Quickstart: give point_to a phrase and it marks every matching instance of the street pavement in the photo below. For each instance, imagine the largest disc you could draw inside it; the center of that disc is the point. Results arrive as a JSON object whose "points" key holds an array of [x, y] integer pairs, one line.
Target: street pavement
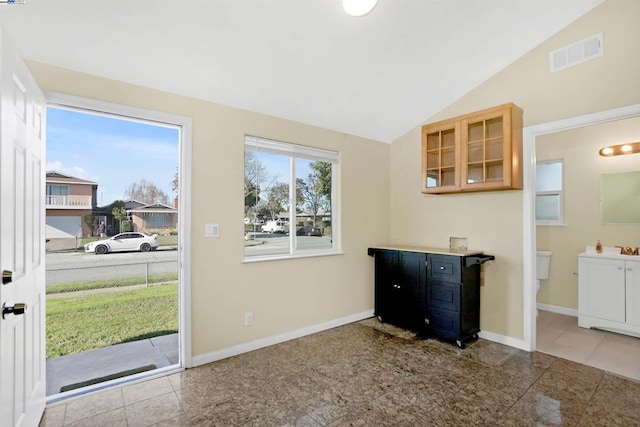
{"points": [[63, 267]]}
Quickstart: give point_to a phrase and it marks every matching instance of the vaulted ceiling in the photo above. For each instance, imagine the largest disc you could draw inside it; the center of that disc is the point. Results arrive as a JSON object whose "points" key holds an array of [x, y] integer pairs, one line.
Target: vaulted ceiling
{"points": [[375, 76]]}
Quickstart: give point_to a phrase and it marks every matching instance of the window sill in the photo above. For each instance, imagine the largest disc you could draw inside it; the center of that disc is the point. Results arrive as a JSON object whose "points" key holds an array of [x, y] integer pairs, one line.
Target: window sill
{"points": [[252, 260], [550, 224]]}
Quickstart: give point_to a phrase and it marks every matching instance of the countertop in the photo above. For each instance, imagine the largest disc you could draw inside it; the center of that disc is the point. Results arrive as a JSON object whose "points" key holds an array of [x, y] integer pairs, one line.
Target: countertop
{"points": [[430, 250], [610, 255]]}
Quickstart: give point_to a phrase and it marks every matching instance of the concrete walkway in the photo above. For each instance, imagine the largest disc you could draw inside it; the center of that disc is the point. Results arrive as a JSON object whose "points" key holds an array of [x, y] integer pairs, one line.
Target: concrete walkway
{"points": [[82, 369]]}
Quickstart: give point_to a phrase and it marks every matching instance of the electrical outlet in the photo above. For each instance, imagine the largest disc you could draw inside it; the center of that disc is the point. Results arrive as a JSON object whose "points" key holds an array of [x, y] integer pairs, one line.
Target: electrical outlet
{"points": [[248, 318]]}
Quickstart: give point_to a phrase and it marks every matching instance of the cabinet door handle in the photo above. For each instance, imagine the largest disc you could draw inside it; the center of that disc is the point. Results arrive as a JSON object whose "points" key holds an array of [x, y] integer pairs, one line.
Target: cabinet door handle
{"points": [[629, 268], [620, 268], [441, 267]]}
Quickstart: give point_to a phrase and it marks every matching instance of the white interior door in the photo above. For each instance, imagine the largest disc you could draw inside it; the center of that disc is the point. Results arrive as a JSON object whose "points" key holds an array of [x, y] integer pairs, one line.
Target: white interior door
{"points": [[22, 225]]}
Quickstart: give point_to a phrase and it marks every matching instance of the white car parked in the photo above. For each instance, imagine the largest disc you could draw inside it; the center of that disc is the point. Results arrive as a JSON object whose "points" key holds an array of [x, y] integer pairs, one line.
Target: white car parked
{"points": [[274, 227], [124, 242]]}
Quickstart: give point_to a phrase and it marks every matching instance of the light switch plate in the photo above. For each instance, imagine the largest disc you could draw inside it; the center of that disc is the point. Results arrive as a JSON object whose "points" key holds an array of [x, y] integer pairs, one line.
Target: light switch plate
{"points": [[212, 230]]}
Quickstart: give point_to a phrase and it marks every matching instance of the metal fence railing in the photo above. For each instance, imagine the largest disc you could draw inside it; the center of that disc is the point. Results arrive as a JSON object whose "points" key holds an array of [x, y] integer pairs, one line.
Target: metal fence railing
{"points": [[63, 279]]}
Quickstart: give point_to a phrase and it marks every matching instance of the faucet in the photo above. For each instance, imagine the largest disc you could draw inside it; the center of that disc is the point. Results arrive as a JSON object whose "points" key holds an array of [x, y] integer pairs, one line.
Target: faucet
{"points": [[629, 250]]}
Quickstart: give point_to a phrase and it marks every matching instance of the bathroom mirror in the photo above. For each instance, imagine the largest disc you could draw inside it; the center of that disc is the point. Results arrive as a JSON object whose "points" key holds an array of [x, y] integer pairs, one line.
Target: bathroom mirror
{"points": [[620, 198]]}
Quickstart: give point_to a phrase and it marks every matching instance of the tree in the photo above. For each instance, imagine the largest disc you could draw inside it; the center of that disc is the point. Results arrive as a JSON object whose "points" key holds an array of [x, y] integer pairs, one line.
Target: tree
{"points": [[119, 212], [314, 192], [322, 172], [146, 192], [250, 194], [257, 179], [91, 221], [175, 183], [278, 199], [312, 197]]}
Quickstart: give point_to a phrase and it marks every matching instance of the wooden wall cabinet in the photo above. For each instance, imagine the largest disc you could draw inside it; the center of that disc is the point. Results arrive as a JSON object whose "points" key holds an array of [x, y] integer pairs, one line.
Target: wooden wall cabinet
{"points": [[481, 151]]}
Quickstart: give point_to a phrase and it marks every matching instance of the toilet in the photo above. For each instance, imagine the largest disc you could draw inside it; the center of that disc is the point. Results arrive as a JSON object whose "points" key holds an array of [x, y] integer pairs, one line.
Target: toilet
{"points": [[543, 260]]}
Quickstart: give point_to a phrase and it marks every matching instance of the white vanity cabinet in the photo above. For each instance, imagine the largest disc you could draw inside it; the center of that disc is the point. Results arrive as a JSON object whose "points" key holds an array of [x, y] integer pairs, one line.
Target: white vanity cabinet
{"points": [[609, 292]]}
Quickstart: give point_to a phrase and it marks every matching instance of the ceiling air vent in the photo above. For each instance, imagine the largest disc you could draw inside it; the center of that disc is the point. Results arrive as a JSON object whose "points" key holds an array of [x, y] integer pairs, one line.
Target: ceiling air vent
{"points": [[576, 53]]}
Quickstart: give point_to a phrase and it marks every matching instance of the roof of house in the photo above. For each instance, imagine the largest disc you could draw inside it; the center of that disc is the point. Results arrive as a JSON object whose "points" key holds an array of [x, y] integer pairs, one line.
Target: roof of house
{"points": [[133, 204], [154, 208], [59, 178]]}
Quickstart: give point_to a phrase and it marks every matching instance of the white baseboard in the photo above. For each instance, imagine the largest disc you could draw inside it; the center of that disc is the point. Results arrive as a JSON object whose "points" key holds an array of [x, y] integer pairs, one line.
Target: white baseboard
{"points": [[235, 350], [503, 339], [201, 359], [557, 309]]}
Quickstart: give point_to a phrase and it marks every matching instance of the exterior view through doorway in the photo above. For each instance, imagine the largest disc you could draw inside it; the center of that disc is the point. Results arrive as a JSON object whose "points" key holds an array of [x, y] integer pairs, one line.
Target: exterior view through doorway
{"points": [[112, 248]]}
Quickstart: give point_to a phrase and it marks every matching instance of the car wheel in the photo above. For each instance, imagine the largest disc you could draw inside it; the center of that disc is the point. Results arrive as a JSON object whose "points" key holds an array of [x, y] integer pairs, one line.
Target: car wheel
{"points": [[101, 250], [145, 247]]}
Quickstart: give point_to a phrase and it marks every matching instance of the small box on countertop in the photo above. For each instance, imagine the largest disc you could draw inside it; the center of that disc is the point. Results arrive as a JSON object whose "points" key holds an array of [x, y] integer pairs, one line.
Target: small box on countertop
{"points": [[458, 243]]}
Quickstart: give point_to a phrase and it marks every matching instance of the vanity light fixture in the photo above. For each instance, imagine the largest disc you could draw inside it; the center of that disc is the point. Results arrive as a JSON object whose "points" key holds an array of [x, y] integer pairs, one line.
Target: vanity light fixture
{"points": [[616, 150], [358, 7]]}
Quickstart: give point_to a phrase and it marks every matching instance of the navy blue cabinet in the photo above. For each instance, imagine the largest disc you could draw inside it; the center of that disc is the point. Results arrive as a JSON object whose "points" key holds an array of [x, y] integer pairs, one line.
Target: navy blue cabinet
{"points": [[430, 293], [400, 298], [453, 303]]}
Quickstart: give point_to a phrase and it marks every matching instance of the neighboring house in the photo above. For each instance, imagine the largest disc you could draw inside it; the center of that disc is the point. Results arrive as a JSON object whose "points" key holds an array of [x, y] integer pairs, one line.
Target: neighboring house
{"points": [[154, 217], [68, 200], [157, 218]]}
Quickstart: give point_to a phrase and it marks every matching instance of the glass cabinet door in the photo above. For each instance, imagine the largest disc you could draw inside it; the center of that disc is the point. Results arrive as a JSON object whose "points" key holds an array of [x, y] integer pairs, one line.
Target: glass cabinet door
{"points": [[481, 151], [440, 158], [487, 155]]}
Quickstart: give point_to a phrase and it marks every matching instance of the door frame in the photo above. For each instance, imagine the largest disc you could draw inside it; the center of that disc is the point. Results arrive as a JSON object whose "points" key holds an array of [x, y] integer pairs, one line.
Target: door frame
{"points": [[57, 99], [529, 201]]}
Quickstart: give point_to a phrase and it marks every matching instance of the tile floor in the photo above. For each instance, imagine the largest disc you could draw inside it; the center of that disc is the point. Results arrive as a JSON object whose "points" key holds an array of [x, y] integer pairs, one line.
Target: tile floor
{"points": [[367, 374], [559, 335]]}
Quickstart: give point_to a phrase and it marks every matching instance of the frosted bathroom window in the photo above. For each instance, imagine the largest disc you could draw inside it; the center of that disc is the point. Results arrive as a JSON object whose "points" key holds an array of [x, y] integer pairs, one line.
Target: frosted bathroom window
{"points": [[549, 195]]}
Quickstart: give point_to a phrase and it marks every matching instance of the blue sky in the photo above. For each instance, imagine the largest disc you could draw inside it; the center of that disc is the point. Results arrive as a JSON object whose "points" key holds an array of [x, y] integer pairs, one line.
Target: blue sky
{"points": [[112, 152], [278, 166]]}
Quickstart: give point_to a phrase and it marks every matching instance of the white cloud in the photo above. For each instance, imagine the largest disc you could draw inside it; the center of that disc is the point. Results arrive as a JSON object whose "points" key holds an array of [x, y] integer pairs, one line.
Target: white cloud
{"points": [[75, 171]]}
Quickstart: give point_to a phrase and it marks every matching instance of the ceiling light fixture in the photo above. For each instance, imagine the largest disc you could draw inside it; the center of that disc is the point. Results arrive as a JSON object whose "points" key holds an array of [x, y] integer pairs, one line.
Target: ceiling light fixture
{"points": [[358, 7], [616, 150]]}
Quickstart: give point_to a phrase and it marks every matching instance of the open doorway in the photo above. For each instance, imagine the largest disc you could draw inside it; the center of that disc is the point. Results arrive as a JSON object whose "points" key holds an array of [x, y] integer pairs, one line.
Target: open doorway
{"points": [[531, 134], [587, 219], [113, 222]]}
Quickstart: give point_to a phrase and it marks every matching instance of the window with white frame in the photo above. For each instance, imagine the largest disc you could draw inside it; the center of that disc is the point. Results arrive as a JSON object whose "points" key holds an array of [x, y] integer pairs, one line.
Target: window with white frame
{"points": [[290, 203], [549, 195]]}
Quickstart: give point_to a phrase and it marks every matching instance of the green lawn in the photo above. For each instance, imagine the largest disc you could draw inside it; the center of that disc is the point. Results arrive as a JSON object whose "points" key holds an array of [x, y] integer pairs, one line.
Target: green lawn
{"points": [[86, 322]]}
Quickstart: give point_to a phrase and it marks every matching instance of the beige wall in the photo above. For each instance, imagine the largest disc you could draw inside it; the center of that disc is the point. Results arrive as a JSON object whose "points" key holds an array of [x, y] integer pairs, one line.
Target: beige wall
{"points": [[493, 221], [79, 190], [583, 168], [287, 295], [283, 295]]}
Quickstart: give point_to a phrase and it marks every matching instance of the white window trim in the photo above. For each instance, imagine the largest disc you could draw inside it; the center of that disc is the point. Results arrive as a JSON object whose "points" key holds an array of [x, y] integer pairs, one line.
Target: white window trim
{"points": [[126, 112], [309, 153], [529, 135]]}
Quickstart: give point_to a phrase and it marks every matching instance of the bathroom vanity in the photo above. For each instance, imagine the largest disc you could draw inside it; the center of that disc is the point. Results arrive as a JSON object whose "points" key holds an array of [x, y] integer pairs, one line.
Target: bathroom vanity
{"points": [[429, 290], [609, 291]]}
